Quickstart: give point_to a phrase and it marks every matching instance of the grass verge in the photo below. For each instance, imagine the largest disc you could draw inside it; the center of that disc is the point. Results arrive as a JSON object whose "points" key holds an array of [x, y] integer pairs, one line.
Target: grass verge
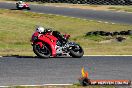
{"points": [[16, 28], [121, 8]]}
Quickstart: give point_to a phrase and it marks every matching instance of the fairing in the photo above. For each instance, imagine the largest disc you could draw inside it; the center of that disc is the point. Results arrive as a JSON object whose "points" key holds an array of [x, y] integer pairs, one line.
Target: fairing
{"points": [[48, 39]]}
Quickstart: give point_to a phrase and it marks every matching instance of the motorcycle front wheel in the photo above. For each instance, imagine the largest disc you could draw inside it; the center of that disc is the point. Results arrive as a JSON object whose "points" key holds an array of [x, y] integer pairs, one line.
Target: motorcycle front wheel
{"points": [[28, 8], [76, 51], [43, 52], [19, 8]]}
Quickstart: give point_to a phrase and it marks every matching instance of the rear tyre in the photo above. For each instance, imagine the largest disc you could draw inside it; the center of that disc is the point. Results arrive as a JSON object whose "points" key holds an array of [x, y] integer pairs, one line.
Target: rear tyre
{"points": [[43, 52], [76, 52]]}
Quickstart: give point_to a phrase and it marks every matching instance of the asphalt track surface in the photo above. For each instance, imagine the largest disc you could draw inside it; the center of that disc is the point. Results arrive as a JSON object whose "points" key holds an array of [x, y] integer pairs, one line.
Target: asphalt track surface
{"points": [[62, 70], [109, 16]]}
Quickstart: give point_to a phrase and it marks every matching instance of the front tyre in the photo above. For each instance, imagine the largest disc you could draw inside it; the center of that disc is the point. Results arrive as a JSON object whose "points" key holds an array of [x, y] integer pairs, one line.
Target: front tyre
{"points": [[76, 51], [43, 52], [19, 8], [28, 8]]}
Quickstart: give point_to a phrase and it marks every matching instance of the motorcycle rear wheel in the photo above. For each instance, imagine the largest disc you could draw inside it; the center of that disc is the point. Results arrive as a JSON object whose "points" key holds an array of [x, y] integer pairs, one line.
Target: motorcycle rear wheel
{"points": [[43, 52], [76, 53]]}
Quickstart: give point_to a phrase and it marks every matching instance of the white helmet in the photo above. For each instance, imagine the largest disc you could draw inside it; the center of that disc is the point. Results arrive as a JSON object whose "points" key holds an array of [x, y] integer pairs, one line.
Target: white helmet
{"points": [[40, 29], [20, 2]]}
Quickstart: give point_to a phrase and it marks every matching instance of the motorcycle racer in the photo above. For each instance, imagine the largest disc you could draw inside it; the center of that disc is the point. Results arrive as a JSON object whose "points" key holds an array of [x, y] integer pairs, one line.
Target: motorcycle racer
{"points": [[20, 2], [46, 43], [62, 38], [22, 5]]}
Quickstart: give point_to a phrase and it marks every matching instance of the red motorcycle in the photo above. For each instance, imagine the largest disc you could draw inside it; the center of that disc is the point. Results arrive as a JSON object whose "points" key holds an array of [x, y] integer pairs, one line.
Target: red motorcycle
{"points": [[21, 6], [47, 45]]}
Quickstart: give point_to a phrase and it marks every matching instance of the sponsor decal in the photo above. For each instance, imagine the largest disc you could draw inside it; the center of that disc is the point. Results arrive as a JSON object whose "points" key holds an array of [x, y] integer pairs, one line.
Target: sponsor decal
{"points": [[85, 81]]}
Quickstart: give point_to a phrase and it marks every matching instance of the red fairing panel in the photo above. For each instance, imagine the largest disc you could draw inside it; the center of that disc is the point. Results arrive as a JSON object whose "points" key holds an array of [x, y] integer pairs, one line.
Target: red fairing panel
{"points": [[51, 40], [25, 5]]}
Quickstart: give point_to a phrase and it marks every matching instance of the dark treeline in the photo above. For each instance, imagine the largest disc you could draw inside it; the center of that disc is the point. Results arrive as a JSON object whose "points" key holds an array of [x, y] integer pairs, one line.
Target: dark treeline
{"points": [[94, 2]]}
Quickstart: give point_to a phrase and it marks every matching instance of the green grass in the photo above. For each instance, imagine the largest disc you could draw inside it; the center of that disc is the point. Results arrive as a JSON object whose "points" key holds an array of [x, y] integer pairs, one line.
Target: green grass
{"points": [[121, 8], [16, 28]]}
